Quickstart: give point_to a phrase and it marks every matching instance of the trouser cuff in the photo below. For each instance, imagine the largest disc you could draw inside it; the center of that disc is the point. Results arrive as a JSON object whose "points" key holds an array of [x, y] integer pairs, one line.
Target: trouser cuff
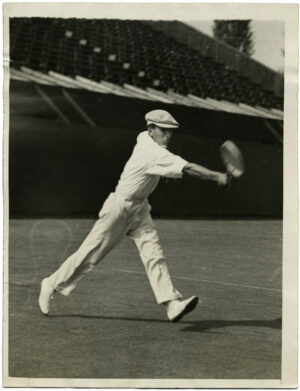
{"points": [[169, 298]]}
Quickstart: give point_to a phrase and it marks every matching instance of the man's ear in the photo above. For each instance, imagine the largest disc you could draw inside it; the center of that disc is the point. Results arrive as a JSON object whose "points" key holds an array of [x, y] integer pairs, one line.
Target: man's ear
{"points": [[150, 130]]}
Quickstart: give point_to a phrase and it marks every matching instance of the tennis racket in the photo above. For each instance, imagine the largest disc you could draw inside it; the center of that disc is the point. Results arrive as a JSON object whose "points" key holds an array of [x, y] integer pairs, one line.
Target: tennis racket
{"points": [[232, 159]]}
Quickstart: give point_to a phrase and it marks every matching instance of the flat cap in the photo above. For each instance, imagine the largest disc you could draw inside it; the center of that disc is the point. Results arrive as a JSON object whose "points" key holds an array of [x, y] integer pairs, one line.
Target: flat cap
{"points": [[161, 118]]}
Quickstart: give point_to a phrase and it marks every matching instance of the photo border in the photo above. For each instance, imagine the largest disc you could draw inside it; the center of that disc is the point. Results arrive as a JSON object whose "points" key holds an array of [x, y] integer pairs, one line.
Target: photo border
{"points": [[184, 11]]}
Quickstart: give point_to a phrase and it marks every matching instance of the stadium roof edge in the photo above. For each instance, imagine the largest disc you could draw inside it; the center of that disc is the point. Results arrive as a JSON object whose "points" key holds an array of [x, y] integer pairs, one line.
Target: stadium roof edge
{"points": [[58, 80]]}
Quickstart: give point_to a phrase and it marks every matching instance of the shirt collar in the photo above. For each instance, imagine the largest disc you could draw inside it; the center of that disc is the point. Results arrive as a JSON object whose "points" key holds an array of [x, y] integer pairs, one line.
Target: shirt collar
{"points": [[145, 137]]}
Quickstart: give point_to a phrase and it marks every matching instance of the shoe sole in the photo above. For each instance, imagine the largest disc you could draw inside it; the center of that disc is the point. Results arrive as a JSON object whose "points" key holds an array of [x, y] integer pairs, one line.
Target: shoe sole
{"points": [[190, 306], [45, 314]]}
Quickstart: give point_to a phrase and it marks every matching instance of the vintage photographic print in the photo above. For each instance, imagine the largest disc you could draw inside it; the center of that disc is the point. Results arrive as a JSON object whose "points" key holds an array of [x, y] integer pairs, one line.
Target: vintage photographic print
{"points": [[150, 191]]}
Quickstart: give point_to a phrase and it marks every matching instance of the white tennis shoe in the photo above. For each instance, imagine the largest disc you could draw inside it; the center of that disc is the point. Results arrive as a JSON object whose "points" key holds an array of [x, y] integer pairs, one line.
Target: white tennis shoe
{"points": [[46, 295], [176, 309]]}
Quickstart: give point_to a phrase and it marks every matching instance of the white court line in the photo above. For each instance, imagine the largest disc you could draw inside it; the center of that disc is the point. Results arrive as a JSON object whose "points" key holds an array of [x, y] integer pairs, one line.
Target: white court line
{"points": [[207, 281]]}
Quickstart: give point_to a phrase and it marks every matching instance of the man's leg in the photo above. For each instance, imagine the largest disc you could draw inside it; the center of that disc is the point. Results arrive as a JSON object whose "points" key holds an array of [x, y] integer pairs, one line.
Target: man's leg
{"points": [[106, 233], [146, 239], [147, 242], [95, 247]]}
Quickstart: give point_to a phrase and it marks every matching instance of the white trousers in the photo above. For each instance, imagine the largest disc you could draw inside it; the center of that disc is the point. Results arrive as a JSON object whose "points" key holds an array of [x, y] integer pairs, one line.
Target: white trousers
{"points": [[119, 217]]}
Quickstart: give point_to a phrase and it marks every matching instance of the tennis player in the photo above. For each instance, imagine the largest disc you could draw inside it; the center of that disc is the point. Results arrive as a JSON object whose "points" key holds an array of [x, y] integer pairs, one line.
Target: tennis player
{"points": [[126, 212]]}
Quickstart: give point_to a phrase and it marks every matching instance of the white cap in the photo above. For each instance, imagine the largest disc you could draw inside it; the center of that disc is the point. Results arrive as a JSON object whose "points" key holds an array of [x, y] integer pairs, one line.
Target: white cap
{"points": [[161, 118]]}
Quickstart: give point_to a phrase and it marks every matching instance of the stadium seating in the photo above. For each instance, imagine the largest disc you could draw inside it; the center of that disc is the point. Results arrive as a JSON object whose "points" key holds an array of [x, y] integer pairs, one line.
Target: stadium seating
{"points": [[132, 52]]}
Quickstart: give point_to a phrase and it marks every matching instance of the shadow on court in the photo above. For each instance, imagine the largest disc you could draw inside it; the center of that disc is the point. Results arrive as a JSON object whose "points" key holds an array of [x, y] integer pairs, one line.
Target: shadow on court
{"points": [[195, 326]]}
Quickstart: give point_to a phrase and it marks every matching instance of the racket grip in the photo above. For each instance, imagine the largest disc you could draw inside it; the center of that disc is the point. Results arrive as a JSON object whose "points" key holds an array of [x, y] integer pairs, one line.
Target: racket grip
{"points": [[229, 178]]}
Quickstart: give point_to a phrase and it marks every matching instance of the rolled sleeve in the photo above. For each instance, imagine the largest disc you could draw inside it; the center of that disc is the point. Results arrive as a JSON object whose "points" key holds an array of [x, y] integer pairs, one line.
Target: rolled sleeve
{"points": [[167, 165]]}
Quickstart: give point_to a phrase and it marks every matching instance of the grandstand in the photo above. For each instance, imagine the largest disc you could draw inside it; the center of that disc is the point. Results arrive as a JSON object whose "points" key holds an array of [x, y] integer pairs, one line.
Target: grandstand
{"points": [[133, 58], [69, 76]]}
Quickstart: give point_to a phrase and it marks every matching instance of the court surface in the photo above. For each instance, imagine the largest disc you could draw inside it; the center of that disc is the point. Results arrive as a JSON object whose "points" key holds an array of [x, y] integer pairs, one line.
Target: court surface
{"points": [[111, 327]]}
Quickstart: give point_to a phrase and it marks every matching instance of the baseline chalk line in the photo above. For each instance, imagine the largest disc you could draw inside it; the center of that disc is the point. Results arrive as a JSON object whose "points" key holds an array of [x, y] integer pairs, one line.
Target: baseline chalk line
{"points": [[206, 281]]}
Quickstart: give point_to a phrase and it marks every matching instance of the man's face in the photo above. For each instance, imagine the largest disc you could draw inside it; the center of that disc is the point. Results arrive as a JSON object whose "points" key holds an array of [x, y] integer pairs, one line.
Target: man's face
{"points": [[161, 136]]}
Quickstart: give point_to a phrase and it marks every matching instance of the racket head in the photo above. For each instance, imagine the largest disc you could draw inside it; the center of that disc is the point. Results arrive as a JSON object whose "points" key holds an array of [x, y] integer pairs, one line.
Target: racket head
{"points": [[232, 159]]}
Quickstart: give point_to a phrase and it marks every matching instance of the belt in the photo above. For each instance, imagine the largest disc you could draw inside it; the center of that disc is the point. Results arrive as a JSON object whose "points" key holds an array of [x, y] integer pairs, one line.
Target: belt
{"points": [[131, 198]]}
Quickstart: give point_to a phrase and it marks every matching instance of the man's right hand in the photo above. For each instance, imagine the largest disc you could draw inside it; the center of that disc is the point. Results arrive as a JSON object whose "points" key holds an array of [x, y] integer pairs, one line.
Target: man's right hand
{"points": [[224, 179]]}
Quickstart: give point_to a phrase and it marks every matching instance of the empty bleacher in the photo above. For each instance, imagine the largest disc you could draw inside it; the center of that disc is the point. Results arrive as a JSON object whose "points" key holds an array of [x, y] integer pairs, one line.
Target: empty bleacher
{"points": [[130, 52]]}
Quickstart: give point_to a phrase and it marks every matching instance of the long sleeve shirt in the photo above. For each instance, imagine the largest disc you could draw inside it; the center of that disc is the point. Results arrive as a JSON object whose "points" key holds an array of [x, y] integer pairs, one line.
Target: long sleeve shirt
{"points": [[148, 162]]}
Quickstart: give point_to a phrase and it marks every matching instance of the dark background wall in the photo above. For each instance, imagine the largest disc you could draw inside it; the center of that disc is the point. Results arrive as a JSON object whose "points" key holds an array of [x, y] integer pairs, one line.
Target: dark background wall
{"points": [[58, 168]]}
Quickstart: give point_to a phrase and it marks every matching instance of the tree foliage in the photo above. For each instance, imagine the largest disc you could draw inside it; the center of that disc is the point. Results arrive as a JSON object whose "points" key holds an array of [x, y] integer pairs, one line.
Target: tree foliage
{"points": [[236, 33]]}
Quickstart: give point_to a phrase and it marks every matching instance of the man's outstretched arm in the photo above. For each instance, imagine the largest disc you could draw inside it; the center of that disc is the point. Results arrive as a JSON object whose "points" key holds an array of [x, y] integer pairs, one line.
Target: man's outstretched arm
{"points": [[201, 172]]}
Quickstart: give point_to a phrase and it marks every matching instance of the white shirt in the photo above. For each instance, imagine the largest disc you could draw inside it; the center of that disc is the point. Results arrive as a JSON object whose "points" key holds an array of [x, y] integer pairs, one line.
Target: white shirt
{"points": [[148, 162]]}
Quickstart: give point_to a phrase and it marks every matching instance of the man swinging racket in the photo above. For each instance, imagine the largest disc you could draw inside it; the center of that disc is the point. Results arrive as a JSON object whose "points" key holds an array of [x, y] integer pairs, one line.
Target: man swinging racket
{"points": [[127, 212]]}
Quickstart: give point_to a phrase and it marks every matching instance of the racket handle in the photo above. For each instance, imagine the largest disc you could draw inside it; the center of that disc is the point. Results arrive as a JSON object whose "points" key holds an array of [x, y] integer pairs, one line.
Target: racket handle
{"points": [[229, 178]]}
